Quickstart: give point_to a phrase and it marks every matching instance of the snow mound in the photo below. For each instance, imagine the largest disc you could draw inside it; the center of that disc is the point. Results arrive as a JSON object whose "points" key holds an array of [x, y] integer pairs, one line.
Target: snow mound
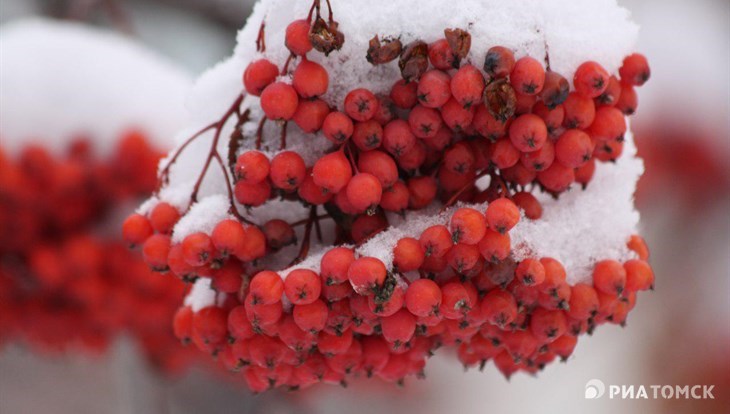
{"points": [[63, 79]]}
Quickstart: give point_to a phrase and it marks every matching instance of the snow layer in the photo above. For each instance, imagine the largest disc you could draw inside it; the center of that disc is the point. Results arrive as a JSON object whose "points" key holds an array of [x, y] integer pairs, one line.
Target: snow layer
{"points": [[61, 79]]}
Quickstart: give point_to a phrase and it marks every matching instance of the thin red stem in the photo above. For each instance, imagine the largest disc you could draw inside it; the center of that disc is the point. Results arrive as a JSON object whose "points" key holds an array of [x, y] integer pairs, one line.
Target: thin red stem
{"points": [[282, 137], [260, 132], [304, 249], [260, 40]]}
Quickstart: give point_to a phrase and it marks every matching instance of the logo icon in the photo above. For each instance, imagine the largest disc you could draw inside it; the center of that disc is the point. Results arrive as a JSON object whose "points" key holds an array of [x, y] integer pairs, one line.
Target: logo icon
{"points": [[595, 389]]}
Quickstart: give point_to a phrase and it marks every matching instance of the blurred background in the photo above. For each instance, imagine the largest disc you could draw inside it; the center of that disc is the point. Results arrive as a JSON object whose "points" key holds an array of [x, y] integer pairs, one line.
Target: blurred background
{"points": [[677, 334]]}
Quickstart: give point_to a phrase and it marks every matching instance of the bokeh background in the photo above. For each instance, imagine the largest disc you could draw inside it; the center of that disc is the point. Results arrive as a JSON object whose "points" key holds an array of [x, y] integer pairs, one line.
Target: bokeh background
{"points": [[678, 334]]}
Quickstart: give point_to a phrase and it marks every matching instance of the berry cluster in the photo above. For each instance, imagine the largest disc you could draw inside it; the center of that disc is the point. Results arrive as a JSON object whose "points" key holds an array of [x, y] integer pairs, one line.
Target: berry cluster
{"points": [[426, 143], [62, 286]]}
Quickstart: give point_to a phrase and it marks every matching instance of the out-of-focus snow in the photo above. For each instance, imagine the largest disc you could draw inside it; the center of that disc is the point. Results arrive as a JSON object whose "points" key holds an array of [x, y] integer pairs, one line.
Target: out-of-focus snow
{"points": [[63, 79]]}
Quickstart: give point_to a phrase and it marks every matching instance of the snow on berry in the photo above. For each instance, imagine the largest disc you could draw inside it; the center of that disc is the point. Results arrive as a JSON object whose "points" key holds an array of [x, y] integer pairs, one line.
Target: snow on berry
{"points": [[429, 168]]}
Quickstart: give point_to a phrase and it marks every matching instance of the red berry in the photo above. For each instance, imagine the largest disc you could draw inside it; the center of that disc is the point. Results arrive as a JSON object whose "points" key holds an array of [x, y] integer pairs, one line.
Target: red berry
{"points": [[541, 159], [361, 104], [468, 226], [337, 127], [136, 229], [459, 158], [574, 148], [287, 170], [504, 154], [555, 91], [311, 317], [366, 226], [312, 193], [436, 241], [637, 245], [403, 94], [310, 79], [502, 215], [379, 164], [424, 122], [408, 255], [495, 246], [610, 96], [583, 302], [335, 263], [310, 115], [609, 276], [527, 76], [302, 286], [366, 274], [297, 37], [590, 79], [487, 125], [252, 194], [434, 89], [399, 327], [228, 237], [608, 124], [197, 249], [548, 325], [499, 62], [163, 217], [422, 191], [423, 297], [528, 133], [579, 111], [258, 75], [278, 234], [398, 138], [182, 324], [266, 287], [639, 275], [628, 100], [441, 55], [530, 272], [456, 117], [368, 135], [557, 178], [364, 191], [635, 70], [395, 198], [279, 101], [553, 117], [211, 324], [499, 308], [529, 204], [584, 173], [252, 167], [332, 172], [464, 258], [467, 86], [254, 245]]}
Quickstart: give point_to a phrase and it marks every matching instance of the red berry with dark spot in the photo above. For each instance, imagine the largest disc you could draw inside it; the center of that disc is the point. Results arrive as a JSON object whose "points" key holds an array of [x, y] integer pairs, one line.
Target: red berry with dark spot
{"points": [[297, 37], [361, 105], [310, 79], [527, 76], [590, 79], [279, 101], [635, 70]]}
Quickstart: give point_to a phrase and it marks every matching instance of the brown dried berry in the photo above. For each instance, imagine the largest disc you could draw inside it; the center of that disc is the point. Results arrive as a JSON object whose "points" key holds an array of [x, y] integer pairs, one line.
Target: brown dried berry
{"points": [[500, 99], [388, 50], [460, 42], [325, 37], [414, 60]]}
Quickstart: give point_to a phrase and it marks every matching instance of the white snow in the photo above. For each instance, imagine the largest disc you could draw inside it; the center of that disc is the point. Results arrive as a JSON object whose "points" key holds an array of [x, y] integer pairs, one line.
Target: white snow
{"points": [[60, 79]]}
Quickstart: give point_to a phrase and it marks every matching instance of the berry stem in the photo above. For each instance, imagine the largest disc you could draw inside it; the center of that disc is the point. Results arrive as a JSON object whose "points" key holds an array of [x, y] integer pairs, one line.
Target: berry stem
{"points": [[304, 249], [282, 137], [260, 39], [260, 132]]}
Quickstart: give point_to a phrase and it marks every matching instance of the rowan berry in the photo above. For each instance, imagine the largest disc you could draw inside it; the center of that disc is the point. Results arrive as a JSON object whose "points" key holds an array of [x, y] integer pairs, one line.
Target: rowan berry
{"points": [[529, 204], [608, 150], [337, 127], [609, 276], [553, 117], [608, 124], [367, 135], [287, 170], [628, 100], [499, 308], [211, 324], [155, 251], [557, 178], [495, 246], [528, 133], [584, 173], [182, 324], [411, 160], [403, 94], [227, 237], [464, 258], [279, 101], [455, 300], [527, 76], [573, 148], [386, 306], [334, 265], [252, 167], [638, 245], [441, 55], [398, 138], [136, 229], [635, 70], [278, 234], [311, 317], [579, 111], [590, 79], [163, 217], [254, 245], [583, 302], [423, 297], [252, 194], [504, 154], [436, 241], [539, 160], [530, 272], [395, 198], [554, 274], [487, 125], [611, 95], [456, 117], [434, 89], [258, 75], [302, 286], [364, 191], [228, 278], [548, 325], [468, 226], [502, 215], [408, 255], [332, 172], [360, 104], [499, 62], [422, 191], [639, 275], [263, 317], [266, 287], [296, 38], [467, 86], [310, 115], [310, 79], [366, 226], [555, 91], [424, 122], [366, 274]]}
